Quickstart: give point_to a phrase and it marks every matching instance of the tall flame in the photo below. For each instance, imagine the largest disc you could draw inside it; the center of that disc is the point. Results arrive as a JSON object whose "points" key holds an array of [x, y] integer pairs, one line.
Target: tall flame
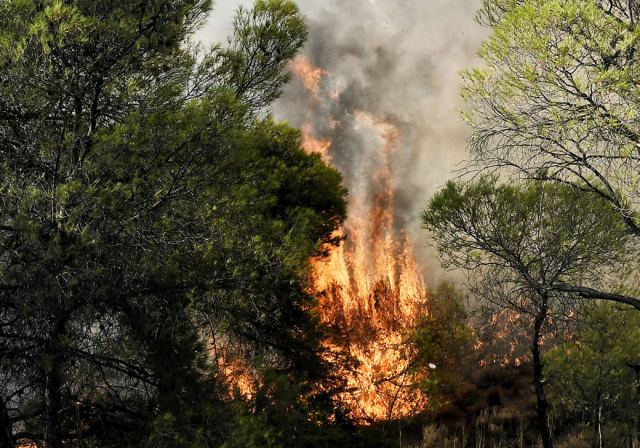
{"points": [[370, 288]]}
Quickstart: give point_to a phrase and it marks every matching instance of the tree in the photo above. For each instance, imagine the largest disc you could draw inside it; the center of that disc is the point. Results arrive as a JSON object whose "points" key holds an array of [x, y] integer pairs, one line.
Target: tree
{"points": [[147, 204], [442, 342], [558, 102], [524, 243], [589, 374]]}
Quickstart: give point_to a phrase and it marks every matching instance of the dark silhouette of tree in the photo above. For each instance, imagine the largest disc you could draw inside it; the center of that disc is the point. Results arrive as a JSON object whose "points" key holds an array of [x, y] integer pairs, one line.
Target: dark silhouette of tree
{"points": [[148, 204]]}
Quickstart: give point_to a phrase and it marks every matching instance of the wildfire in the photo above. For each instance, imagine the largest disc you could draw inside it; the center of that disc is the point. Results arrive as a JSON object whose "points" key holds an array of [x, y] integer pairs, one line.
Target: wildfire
{"points": [[370, 288], [313, 145], [310, 76]]}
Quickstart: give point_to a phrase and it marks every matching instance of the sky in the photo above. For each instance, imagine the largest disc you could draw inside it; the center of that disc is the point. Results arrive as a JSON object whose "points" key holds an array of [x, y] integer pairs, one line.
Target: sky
{"points": [[399, 60], [220, 23]]}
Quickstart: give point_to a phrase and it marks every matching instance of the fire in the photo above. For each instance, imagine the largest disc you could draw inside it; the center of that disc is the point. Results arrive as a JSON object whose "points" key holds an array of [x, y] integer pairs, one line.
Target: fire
{"points": [[313, 145], [370, 288], [311, 76]]}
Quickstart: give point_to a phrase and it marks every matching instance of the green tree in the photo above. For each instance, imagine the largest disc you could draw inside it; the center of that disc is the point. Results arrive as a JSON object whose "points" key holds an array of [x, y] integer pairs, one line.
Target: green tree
{"points": [[558, 102], [555, 106], [589, 374], [148, 204], [523, 243], [442, 342]]}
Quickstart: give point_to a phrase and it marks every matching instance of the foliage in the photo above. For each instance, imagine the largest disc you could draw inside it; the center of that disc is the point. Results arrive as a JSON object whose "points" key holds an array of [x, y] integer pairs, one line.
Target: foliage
{"points": [[277, 416], [149, 205], [533, 236], [443, 341], [526, 243], [557, 100], [554, 113], [589, 375]]}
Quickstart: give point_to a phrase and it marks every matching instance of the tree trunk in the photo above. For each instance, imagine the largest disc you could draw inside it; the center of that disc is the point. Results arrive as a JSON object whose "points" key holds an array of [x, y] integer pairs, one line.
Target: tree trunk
{"points": [[538, 377], [635, 366], [597, 422], [600, 445], [638, 400], [53, 437], [53, 385], [6, 433]]}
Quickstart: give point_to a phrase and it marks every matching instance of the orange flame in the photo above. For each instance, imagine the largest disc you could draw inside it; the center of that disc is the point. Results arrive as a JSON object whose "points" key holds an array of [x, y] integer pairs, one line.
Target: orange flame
{"points": [[310, 76], [313, 145], [370, 288]]}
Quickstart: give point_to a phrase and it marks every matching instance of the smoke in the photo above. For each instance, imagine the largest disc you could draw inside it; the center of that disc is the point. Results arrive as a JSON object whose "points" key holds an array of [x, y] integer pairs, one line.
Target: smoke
{"points": [[398, 61]]}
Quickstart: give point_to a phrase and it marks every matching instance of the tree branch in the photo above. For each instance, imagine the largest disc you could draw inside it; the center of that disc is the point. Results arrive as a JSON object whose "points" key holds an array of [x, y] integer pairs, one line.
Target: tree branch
{"points": [[590, 293]]}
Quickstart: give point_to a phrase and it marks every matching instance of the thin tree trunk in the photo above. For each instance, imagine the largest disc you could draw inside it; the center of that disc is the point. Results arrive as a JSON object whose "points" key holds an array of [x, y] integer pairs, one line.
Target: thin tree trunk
{"points": [[638, 400], [600, 445], [54, 384], [6, 433], [597, 422], [53, 438], [538, 377], [635, 366]]}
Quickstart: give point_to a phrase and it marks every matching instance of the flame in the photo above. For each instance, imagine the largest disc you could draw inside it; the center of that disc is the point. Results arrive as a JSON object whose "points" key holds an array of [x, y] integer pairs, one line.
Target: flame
{"points": [[313, 145], [370, 288], [310, 76], [230, 360]]}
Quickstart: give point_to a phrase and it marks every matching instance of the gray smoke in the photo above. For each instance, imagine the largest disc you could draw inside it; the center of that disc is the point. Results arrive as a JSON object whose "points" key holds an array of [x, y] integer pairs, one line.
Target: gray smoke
{"points": [[398, 60]]}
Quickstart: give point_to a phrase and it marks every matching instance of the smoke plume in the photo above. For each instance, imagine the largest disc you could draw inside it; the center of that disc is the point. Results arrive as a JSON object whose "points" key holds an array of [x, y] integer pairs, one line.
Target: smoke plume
{"points": [[398, 61]]}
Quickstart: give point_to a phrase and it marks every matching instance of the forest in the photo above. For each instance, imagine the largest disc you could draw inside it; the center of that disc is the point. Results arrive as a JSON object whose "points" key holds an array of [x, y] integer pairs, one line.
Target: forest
{"points": [[182, 268]]}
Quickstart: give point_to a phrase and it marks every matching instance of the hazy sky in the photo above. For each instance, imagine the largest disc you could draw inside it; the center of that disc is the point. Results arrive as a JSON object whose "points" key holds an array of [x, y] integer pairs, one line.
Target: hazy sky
{"points": [[399, 60], [219, 25]]}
